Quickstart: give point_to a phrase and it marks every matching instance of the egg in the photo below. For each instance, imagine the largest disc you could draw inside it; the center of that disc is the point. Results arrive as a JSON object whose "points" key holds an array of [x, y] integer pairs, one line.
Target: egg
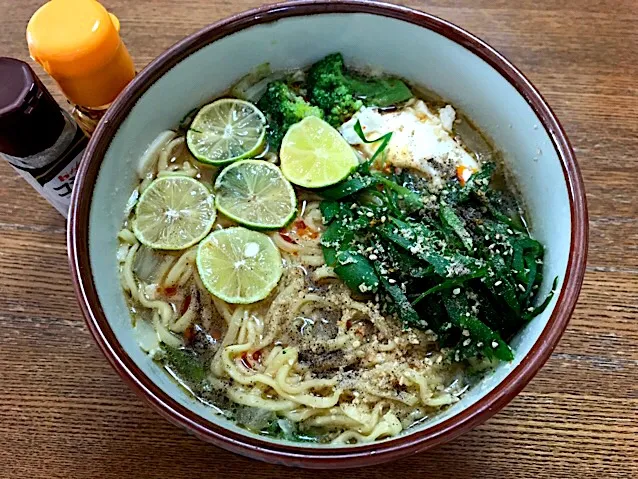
{"points": [[421, 140]]}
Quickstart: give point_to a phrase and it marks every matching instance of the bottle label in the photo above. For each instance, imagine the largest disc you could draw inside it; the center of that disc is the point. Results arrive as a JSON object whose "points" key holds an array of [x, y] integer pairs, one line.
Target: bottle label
{"points": [[60, 187], [55, 181]]}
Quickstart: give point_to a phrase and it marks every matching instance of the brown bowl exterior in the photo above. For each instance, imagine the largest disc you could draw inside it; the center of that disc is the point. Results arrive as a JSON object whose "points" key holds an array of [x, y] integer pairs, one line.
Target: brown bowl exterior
{"points": [[301, 456]]}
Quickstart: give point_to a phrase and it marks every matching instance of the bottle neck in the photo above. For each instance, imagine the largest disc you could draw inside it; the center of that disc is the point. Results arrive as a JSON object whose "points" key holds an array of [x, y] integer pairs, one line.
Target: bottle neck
{"points": [[88, 118]]}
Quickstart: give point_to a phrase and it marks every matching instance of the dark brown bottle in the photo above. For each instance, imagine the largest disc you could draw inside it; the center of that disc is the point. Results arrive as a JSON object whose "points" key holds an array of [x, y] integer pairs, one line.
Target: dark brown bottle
{"points": [[40, 140]]}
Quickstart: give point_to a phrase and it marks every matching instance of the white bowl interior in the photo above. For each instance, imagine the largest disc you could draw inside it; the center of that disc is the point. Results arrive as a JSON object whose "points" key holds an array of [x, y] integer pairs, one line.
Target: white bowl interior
{"points": [[415, 53]]}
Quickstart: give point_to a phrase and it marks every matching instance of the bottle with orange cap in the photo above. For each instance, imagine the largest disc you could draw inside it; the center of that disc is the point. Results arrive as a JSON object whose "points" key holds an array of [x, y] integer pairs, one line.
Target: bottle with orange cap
{"points": [[78, 43]]}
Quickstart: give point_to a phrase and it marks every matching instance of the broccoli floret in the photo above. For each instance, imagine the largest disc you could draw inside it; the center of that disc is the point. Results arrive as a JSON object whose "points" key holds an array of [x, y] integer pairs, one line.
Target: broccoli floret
{"points": [[283, 108], [340, 93], [328, 88]]}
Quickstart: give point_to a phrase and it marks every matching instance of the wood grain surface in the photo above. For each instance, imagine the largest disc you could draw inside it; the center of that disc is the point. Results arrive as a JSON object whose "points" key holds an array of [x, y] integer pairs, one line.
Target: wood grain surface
{"points": [[64, 413]]}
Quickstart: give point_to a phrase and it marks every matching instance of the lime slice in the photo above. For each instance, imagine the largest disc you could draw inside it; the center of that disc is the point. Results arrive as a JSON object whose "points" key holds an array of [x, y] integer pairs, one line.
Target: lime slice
{"points": [[225, 131], [173, 213], [256, 194], [313, 154], [238, 265]]}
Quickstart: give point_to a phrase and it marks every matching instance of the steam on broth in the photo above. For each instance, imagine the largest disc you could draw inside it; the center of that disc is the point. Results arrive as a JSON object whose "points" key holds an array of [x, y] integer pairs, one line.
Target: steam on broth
{"points": [[327, 256]]}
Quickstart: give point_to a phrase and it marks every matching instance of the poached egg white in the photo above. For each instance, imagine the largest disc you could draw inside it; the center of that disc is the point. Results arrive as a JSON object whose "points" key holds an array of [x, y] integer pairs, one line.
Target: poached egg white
{"points": [[421, 139]]}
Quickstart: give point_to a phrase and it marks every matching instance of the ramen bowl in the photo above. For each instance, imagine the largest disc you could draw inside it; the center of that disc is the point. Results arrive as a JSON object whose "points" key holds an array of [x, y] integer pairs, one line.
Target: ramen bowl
{"points": [[416, 46]]}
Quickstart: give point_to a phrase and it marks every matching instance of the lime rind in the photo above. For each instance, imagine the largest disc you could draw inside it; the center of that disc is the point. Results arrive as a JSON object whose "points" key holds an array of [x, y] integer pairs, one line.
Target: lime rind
{"points": [[238, 265], [255, 193], [225, 131], [315, 155], [174, 213]]}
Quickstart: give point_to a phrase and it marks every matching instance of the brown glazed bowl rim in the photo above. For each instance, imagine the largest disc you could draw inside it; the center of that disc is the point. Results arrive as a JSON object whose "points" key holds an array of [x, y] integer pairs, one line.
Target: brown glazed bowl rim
{"points": [[302, 455]]}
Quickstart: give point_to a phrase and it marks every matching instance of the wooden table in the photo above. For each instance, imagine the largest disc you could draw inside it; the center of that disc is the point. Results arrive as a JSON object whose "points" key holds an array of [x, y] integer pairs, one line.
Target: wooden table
{"points": [[64, 413]]}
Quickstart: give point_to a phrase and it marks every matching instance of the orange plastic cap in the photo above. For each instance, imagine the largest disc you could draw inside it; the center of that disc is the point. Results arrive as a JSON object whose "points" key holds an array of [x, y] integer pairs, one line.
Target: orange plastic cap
{"points": [[78, 43]]}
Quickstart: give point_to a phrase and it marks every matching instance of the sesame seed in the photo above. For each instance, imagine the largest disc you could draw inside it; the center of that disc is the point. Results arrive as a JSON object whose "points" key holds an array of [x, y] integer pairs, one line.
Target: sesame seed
{"points": [[510, 231], [465, 332], [369, 214], [392, 281], [373, 257], [479, 344], [530, 309], [456, 291], [521, 287], [498, 283], [494, 344], [467, 342]]}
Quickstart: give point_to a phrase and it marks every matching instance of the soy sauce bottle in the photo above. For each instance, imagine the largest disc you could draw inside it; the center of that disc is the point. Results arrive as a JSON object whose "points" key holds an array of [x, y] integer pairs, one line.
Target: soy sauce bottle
{"points": [[40, 140]]}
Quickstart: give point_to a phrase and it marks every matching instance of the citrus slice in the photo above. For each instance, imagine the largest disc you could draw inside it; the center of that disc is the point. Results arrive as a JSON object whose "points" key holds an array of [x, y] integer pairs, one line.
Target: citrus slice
{"points": [[225, 131], [313, 154], [173, 213], [256, 194], [238, 265]]}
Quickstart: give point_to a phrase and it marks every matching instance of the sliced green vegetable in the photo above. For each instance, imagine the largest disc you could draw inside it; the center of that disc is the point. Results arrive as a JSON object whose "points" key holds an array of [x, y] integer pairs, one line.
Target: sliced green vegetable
{"points": [[329, 209], [282, 428], [449, 217], [351, 185], [477, 333], [384, 139], [477, 183], [185, 363], [407, 264], [382, 92], [539, 309], [418, 239], [401, 303], [437, 257], [411, 200], [501, 285], [356, 271], [451, 283]]}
